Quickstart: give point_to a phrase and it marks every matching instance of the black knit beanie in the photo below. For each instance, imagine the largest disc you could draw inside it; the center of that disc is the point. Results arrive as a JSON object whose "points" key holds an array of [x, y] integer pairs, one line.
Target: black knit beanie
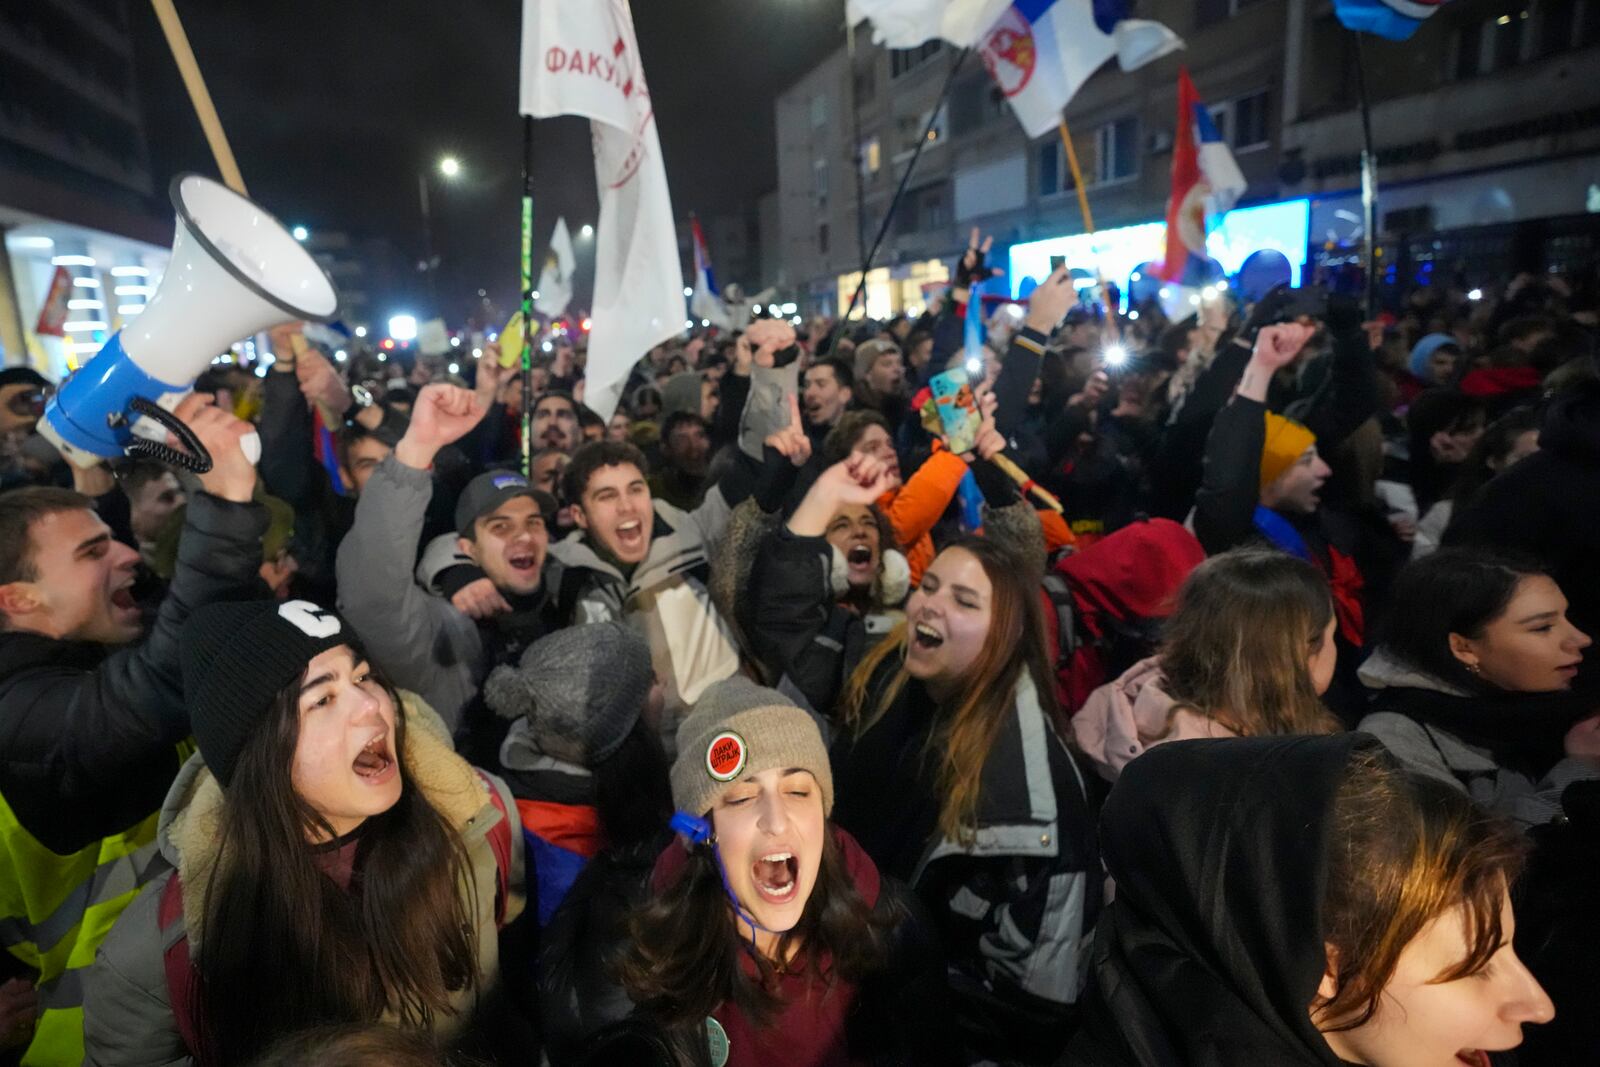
{"points": [[237, 657]]}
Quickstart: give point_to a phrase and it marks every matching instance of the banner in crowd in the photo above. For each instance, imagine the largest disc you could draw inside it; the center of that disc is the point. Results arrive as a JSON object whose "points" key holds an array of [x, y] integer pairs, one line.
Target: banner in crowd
{"points": [[555, 280], [580, 57], [1206, 181], [1395, 19], [706, 303]]}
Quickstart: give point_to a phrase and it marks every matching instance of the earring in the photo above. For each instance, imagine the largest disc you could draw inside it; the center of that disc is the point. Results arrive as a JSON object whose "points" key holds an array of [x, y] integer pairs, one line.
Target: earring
{"points": [[1475, 669]]}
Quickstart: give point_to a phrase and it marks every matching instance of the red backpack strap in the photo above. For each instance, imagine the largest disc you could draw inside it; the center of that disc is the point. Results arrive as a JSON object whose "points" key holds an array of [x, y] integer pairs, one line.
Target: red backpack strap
{"points": [[500, 841], [182, 981]]}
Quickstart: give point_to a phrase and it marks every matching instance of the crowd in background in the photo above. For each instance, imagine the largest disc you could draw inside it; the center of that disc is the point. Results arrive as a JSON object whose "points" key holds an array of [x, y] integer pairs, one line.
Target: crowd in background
{"points": [[757, 725]]}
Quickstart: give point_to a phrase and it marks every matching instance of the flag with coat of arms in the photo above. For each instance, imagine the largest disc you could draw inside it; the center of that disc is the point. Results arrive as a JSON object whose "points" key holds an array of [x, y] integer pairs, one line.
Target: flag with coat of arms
{"points": [[555, 280], [1039, 52], [581, 57], [1206, 181]]}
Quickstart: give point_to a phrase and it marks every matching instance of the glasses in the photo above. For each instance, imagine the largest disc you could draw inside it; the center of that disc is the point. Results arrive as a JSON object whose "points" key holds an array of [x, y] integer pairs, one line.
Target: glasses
{"points": [[25, 404]]}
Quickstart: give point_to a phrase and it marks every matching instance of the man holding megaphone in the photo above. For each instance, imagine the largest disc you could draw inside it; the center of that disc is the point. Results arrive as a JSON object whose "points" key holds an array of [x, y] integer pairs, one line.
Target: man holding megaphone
{"points": [[92, 719]]}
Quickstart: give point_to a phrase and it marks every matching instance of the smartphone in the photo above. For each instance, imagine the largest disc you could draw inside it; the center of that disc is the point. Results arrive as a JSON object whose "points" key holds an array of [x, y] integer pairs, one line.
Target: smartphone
{"points": [[1057, 262]]}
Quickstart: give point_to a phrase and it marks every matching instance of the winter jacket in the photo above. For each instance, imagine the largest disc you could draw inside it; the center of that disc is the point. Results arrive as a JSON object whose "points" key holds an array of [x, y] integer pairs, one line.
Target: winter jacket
{"points": [[89, 743], [893, 1017], [796, 627], [1212, 950], [560, 825], [665, 597], [1016, 902], [422, 642], [128, 1008], [1408, 706], [1545, 505], [1127, 717], [915, 507]]}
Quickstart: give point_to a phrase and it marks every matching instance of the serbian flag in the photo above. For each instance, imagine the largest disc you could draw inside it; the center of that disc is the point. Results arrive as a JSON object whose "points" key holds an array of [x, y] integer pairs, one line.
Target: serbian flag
{"points": [[581, 57], [1395, 19], [53, 314], [1040, 52], [707, 302], [1205, 181]]}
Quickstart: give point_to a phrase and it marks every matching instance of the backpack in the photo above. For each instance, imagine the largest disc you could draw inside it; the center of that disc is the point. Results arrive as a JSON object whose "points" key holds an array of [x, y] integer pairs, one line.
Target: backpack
{"points": [[1104, 605], [183, 981]]}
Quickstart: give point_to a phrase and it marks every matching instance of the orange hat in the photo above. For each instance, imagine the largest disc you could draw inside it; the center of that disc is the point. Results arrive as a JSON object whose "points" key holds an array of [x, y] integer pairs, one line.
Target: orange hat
{"points": [[1286, 442]]}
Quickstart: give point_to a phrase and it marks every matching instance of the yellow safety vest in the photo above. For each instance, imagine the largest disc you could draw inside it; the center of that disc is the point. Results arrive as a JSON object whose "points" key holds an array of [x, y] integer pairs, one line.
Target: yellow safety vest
{"points": [[56, 910]]}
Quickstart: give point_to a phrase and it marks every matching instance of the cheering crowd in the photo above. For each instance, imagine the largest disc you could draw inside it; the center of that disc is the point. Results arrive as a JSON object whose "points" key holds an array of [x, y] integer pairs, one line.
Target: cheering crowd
{"points": [[758, 725]]}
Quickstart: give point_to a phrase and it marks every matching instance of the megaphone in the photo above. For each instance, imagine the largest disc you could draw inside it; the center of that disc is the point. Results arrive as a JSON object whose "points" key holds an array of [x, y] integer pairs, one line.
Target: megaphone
{"points": [[235, 271]]}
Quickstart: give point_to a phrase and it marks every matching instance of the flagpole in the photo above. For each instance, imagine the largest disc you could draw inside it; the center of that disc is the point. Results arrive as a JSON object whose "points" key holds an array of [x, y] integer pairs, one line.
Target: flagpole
{"points": [[199, 96], [888, 216], [1369, 186], [1077, 177], [527, 296], [855, 118]]}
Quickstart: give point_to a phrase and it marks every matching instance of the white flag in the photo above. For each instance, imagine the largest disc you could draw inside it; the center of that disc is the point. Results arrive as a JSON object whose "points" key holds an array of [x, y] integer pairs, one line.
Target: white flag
{"points": [[555, 281], [908, 23], [580, 57]]}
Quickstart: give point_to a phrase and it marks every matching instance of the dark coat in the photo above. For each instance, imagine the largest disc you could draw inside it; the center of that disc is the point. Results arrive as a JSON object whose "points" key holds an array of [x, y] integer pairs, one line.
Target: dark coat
{"points": [[1017, 901]]}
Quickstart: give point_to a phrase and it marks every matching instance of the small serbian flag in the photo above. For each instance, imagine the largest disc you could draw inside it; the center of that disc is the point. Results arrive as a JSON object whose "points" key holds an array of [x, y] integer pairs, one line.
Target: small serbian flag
{"points": [[1205, 181], [1395, 19], [707, 301]]}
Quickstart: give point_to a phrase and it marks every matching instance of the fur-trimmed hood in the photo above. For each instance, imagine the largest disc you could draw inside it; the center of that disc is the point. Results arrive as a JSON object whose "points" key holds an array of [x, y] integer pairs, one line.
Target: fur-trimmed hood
{"points": [[189, 830]]}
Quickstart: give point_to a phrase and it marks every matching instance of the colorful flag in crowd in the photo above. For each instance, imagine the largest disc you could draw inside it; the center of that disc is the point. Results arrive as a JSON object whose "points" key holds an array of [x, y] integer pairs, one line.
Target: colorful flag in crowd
{"points": [[707, 301], [580, 57], [1038, 51], [1395, 19], [555, 280], [1041, 51], [53, 315], [1205, 181]]}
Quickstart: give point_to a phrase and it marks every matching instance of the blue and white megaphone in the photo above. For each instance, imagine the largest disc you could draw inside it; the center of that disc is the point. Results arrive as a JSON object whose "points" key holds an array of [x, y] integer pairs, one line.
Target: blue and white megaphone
{"points": [[235, 271]]}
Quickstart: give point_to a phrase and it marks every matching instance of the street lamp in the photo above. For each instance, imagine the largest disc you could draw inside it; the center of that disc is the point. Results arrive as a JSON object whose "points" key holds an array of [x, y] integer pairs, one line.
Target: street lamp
{"points": [[587, 231], [449, 168], [300, 233]]}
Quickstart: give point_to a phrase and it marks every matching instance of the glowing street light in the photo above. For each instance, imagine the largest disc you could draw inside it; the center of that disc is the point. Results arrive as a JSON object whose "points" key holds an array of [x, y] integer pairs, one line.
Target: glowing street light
{"points": [[450, 166], [403, 327], [587, 231], [301, 233]]}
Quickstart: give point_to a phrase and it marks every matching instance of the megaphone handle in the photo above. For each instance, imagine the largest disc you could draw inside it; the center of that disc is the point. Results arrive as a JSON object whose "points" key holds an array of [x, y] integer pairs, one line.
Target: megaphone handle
{"points": [[195, 459]]}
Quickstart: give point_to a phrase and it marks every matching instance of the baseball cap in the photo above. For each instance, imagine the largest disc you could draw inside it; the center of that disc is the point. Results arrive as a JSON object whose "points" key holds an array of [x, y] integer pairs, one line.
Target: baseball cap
{"points": [[491, 489]]}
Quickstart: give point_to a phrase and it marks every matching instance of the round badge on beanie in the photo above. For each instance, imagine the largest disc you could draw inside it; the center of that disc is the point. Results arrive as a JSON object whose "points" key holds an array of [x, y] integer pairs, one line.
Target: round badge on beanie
{"points": [[237, 656], [738, 728]]}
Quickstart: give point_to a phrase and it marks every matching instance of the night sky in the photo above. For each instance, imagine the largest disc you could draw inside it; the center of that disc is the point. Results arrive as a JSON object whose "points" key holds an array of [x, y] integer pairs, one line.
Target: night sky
{"points": [[333, 107]]}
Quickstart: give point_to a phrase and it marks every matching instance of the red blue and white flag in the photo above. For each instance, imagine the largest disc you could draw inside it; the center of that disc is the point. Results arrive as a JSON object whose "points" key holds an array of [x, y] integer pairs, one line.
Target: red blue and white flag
{"points": [[1395, 19], [706, 304], [1206, 181], [1040, 52]]}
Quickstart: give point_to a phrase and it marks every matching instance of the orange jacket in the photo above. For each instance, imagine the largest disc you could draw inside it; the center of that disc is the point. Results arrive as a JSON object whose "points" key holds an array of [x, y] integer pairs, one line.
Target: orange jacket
{"points": [[913, 508]]}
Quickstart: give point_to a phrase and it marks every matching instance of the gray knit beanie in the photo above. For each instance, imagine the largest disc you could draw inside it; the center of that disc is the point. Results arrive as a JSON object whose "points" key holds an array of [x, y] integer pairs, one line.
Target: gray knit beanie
{"points": [[681, 392], [581, 689], [737, 729]]}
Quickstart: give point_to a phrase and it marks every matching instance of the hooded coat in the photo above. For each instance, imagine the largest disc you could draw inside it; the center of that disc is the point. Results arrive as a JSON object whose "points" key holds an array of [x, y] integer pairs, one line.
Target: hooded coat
{"points": [[1211, 953], [128, 1009]]}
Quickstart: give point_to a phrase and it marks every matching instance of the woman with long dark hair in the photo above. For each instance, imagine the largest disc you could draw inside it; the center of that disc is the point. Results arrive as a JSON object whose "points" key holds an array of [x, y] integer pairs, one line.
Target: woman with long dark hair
{"points": [[771, 937], [952, 776], [1510, 438], [1473, 681], [335, 861], [1249, 650], [1302, 902]]}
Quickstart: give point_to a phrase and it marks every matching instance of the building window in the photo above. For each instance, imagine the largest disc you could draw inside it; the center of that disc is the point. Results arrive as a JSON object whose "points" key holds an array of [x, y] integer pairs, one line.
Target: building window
{"points": [[871, 157], [1498, 41], [819, 110], [1242, 122], [904, 60], [922, 209], [1116, 146], [1052, 172], [866, 84], [819, 177], [822, 238]]}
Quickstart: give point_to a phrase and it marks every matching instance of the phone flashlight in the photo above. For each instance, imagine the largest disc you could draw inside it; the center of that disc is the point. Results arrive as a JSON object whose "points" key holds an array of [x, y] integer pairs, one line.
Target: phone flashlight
{"points": [[1114, 356], [974, 365]]}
